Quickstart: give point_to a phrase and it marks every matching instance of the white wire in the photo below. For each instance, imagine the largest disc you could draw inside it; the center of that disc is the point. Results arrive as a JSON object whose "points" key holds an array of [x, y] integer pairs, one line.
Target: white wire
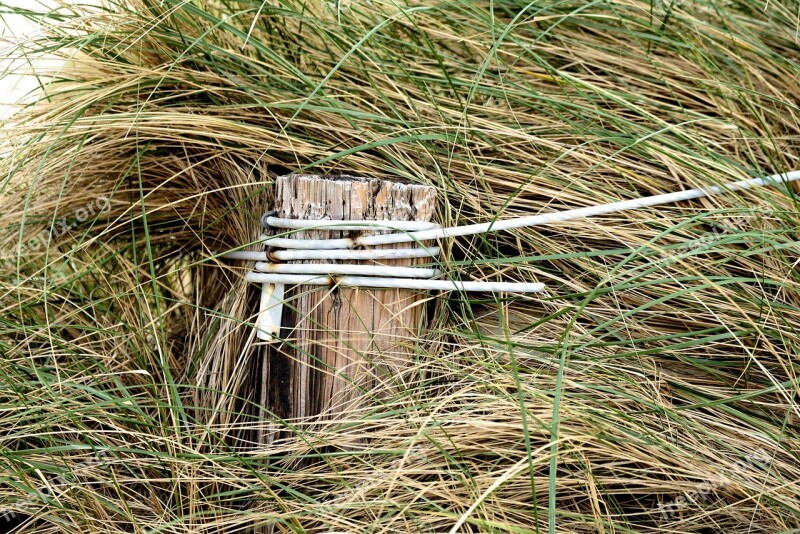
{"points": [[411, 231], [388, 283], [270, 311], [528, 221], [341, 269], [246, 255], [357, 255], [334, 254], [275, 276]]}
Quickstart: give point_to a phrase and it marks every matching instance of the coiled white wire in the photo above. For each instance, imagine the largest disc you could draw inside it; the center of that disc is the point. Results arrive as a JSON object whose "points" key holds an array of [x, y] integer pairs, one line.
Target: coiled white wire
{"points": [[520, 222], [273, 275]]}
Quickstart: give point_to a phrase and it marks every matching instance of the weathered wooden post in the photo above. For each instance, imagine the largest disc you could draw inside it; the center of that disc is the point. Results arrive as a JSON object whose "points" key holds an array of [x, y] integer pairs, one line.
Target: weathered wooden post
{"points": [[336, 343]]}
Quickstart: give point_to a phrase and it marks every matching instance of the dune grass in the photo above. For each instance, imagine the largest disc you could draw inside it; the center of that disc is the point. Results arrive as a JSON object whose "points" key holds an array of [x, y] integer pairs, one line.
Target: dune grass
{"points": [[653, 388]]}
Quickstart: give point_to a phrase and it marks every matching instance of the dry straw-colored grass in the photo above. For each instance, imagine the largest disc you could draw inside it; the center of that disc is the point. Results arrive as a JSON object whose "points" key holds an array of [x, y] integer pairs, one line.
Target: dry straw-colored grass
{"points": [[661, 365]]}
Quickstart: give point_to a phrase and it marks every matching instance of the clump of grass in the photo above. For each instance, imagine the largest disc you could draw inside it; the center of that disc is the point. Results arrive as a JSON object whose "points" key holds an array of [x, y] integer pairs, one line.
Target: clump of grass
{"points": [[653, 389]]}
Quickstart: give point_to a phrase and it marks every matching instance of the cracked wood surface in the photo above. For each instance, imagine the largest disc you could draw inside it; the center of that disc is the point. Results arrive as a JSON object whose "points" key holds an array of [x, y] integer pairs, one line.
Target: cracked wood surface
{"points": [[342, 345]]}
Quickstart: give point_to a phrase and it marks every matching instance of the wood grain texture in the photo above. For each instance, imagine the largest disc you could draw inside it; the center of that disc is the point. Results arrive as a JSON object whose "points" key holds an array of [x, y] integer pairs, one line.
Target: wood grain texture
{"points": [[342, 346]]}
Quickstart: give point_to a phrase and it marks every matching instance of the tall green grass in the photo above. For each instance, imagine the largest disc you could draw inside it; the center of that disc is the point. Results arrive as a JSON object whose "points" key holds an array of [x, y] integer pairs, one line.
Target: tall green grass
{"points": [[652, 389]]}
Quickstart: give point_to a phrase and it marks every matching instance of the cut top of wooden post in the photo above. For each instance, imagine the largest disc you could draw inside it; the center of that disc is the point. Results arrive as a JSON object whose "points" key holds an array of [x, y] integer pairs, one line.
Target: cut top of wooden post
{"points": [[308, 196], [345, 344]]}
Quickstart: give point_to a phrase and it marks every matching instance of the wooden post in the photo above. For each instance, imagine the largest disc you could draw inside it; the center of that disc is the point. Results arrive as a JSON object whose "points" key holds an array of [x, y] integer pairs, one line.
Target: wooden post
{"points": [[341, 342]]}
